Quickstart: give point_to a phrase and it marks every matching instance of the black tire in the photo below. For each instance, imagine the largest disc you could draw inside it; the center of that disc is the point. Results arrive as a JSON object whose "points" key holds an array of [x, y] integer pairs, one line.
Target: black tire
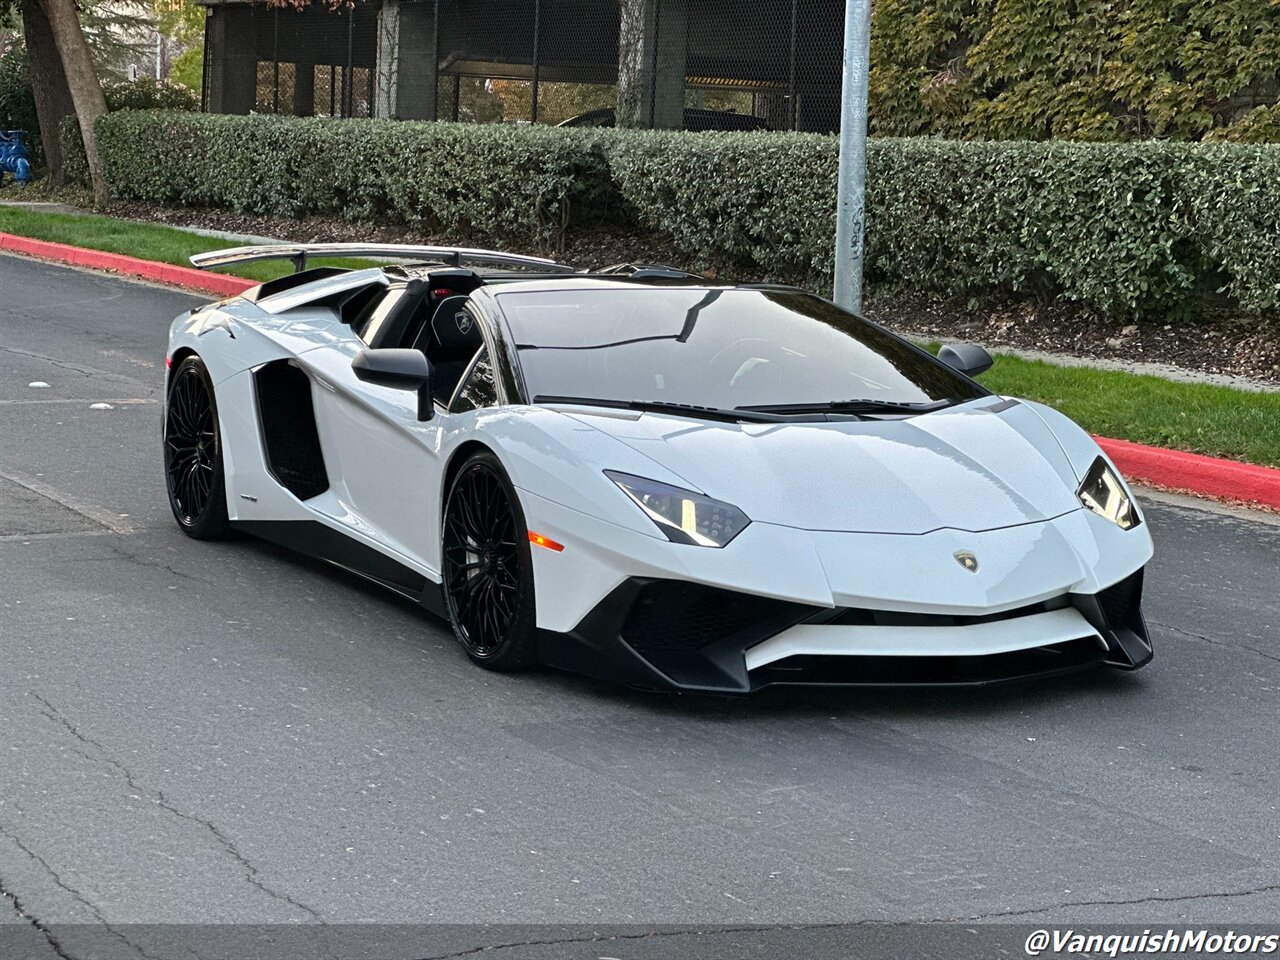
{"points": [[487, 567], [193, 454]]}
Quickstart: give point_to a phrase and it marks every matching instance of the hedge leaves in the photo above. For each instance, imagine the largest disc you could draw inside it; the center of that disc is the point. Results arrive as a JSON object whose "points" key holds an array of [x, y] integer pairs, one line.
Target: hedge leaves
{"points": [[480, 182], [1138, 229]]}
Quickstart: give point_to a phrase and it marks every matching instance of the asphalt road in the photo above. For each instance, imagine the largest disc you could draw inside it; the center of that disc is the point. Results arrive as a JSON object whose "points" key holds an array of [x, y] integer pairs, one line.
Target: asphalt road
{"points": [[227, 733]]}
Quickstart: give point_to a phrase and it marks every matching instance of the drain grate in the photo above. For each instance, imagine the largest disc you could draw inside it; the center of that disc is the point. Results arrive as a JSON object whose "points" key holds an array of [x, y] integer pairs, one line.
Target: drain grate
{"points": [[25, 513]]}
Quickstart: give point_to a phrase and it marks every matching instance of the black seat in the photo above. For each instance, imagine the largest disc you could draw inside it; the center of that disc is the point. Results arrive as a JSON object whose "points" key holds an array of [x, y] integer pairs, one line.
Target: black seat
{"points": [[449, 340]]}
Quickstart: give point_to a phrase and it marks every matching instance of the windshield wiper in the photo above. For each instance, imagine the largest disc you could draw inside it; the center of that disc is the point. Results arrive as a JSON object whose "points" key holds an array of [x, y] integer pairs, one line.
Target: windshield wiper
{"points": [[741, 415], [850, 406]]}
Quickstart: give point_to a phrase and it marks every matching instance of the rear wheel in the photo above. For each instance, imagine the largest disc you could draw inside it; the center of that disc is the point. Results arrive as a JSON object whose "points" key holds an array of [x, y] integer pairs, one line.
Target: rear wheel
{"points": [[193, 454], [487, 568]]}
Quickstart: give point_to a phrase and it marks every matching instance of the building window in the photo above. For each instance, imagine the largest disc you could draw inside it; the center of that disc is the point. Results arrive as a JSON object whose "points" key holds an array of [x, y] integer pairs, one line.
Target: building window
{"points": [[277, 87], [335, 96]]}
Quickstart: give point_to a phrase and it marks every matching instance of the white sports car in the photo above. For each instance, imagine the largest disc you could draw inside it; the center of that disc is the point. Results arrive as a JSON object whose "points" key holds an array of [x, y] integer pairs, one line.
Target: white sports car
{"points": [[637, 474]]}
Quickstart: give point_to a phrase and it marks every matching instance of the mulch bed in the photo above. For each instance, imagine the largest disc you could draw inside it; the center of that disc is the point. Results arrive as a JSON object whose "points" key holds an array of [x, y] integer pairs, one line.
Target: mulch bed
{"points": [[1220, 340]]}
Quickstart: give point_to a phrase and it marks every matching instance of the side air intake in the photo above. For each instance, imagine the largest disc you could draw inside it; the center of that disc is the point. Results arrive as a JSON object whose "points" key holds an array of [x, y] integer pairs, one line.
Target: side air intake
{"points": [[289, 434]]}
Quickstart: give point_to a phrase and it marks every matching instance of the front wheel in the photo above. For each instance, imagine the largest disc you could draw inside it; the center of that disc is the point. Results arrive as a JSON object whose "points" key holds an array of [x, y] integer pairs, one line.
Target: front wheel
{"points": [[487, 567], [193, 454]]}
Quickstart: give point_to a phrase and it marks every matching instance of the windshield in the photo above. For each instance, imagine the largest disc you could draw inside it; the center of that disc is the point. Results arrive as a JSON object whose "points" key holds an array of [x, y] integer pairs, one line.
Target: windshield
{"points": [[715, 348]]}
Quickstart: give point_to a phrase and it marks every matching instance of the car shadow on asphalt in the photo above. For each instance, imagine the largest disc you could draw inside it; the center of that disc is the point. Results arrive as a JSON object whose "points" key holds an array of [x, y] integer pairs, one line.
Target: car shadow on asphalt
{"points": [[801, 701]]}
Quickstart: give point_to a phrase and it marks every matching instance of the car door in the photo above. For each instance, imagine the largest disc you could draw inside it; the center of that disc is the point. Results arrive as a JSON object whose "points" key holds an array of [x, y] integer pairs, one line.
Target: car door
{"points": [[385, 464]]}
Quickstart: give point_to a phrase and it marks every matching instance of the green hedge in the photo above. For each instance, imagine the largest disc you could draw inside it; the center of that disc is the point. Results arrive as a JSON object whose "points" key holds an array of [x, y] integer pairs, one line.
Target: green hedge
{"points": [[766, 201], [1110, 225], [143, 93], [1138, 229], [474, 182], [75, 168], [1231, 197]]}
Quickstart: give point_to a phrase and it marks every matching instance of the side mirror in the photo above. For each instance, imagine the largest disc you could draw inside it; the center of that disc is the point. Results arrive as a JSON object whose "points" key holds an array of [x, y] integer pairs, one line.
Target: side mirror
{"points": [[400, 370], [968, 358]]}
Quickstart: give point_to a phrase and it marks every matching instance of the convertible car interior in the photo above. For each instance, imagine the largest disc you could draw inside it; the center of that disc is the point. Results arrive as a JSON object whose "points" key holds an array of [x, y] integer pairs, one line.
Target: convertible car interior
{"points": [[426, 313]]}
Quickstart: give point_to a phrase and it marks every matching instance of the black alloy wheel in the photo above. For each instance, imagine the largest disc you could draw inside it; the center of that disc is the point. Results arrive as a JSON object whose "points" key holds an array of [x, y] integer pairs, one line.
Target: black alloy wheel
{"points": [[487, 567], [193, 454]]}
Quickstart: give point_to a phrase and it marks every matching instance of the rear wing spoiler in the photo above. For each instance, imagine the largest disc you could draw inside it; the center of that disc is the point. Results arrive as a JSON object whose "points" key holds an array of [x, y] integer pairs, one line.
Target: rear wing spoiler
{"points": [[300, 252]]}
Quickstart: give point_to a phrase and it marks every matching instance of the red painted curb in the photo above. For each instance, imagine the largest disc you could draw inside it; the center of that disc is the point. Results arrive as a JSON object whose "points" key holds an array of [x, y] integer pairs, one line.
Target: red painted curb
{"points": [[1192, 472], [185, 277]]}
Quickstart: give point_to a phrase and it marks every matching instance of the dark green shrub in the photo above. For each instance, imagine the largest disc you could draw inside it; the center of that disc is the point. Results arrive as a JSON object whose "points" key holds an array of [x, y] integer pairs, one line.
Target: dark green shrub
{"points": [[1093, 222], [1139, 229], [17, 105], [75, 167], [1136, 229], [141, 94], [763, 200], [146, 93], [475, 182], [1230, 203]]}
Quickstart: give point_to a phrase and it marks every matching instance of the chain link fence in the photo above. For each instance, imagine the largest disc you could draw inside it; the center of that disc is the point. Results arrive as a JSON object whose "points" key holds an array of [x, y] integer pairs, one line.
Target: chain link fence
{"points": [[698, 64]]}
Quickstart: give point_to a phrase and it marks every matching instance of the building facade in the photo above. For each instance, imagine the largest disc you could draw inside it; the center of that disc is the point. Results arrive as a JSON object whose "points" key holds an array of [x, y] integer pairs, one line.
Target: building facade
{"points": [[535, 61]]}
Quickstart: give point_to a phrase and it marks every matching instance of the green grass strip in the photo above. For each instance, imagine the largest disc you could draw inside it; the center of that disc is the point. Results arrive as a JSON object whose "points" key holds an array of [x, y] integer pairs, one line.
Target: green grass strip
{"points": [[147, 241], [1196, 417]]}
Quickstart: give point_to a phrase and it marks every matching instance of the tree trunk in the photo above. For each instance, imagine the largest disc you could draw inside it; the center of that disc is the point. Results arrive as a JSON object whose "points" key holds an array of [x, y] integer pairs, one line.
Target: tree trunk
{"points": [[635, 63], [48, 83], [82, 81]]}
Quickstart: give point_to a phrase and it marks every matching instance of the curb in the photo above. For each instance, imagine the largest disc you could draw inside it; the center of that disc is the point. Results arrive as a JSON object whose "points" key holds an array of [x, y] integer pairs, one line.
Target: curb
{"points": [[185, 277], [1206, 476], [1193, 473]]}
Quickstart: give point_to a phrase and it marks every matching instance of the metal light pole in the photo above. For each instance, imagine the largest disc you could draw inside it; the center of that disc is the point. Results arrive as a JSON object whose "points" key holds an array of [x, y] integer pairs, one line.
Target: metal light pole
{"points": [[850, 200]]}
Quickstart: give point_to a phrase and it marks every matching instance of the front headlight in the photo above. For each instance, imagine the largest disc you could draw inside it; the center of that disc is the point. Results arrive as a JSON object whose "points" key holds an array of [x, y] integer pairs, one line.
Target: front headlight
{"points": [[684, 516], [1104, 494]]}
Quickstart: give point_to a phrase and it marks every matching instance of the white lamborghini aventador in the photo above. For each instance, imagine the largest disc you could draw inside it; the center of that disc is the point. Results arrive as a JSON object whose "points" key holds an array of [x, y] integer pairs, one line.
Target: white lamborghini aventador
{"points": [[637, 474]]}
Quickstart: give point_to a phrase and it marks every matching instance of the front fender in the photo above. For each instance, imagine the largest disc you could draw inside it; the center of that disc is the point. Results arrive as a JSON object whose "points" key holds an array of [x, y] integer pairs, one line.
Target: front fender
{"points": [[562, 460], [1081, 449]]}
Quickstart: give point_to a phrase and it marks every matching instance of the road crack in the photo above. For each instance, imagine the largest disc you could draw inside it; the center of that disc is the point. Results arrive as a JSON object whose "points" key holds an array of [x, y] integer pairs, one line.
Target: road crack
{"points": [[136, 560], [1217, 643], [75, 894], [252, 874], [35, 921], [83, 371], [1184, 898], [646, 935]]}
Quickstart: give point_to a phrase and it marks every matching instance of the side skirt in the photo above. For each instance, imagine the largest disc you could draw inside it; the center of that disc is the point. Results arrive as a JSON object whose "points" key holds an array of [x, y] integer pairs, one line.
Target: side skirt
{"points": [[315, 539]]}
